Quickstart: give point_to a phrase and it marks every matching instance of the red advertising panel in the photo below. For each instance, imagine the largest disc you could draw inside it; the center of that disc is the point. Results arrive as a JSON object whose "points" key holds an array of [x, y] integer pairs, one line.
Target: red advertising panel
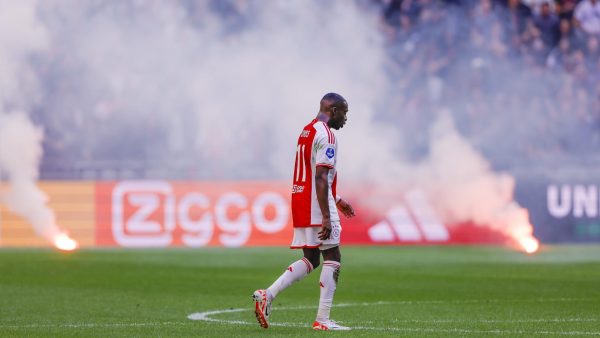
{"points": [[257, 213], [193, 214]]}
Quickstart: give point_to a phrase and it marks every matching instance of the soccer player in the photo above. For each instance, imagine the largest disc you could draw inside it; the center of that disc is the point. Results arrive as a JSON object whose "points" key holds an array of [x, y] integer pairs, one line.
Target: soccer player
{"points": [[315, 205]]}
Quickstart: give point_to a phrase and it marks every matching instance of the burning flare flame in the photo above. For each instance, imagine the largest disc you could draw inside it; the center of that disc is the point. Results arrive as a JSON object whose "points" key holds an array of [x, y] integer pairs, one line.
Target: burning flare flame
{"points": [[529, 244], [521, 231], [63, 242]]}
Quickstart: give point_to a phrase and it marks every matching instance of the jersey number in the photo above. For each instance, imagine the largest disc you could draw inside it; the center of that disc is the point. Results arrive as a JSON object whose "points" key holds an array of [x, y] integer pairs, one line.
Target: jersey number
{"points": [[300, 162]]}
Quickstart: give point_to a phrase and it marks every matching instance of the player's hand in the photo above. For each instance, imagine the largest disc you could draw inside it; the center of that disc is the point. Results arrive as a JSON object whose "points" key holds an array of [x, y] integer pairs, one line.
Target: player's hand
{"points": [[325, 230], [345, 208]]}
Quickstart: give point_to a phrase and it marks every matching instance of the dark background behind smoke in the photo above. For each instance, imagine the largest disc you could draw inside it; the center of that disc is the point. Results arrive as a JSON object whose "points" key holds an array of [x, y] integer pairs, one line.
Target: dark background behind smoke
{"points": [[219, 89]]}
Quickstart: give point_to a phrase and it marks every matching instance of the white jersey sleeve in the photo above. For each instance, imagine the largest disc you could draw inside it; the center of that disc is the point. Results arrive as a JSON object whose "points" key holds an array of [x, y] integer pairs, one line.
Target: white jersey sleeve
{"points": [[325, 149], [324, 154]]}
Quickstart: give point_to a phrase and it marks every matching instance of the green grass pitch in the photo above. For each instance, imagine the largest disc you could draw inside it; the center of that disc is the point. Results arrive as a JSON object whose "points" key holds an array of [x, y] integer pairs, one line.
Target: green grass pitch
{"points": [[383, 291]]}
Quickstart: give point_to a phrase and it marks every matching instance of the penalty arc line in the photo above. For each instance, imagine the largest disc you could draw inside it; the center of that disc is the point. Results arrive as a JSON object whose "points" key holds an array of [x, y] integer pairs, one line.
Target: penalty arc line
{"points": [[206, 316]]}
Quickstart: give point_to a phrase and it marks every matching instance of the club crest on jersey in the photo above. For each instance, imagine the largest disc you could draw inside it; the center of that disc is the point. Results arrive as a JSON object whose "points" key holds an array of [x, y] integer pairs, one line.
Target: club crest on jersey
{"points": [[330, 152]]}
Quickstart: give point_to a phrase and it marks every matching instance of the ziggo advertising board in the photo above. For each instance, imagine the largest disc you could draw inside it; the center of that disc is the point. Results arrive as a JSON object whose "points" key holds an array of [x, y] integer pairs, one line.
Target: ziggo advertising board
{"points": [[160, 213], [229, 214]]}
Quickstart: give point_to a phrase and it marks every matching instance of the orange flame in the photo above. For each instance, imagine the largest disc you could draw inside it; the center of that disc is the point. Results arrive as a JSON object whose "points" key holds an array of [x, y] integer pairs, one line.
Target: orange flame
{"points": [[529, 244], [65, 243], [520, 231]]}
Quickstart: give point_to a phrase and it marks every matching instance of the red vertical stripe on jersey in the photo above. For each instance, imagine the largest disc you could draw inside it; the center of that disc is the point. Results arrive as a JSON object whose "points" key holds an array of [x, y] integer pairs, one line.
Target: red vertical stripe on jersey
{"points": [[334, 186], [329, 134]]}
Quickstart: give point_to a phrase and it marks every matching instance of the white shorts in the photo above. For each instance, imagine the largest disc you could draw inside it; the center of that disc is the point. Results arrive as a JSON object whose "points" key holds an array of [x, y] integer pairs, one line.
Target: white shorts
{"points": [[309, 238]]}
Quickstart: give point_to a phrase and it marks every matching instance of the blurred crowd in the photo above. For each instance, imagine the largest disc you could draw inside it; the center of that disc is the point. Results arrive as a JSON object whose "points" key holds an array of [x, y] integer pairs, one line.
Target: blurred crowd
{"points": [[520, 78]]}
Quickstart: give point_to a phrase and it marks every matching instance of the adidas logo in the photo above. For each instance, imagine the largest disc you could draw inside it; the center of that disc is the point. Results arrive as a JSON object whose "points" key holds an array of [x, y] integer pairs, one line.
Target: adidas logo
{"points": [[415, 221]]}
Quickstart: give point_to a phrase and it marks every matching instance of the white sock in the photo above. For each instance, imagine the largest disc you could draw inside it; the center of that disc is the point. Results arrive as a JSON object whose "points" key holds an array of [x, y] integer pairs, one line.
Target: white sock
{"points": [[295, 272], [328, 283]]}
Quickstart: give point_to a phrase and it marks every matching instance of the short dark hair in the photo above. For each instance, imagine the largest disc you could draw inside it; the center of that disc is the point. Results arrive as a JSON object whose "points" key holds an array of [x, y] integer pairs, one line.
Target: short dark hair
{"points": [[334, 98]]}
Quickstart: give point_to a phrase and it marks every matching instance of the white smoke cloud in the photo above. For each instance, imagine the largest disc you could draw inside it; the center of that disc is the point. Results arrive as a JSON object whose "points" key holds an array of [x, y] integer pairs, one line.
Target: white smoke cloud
{"points": [[236, 99], [232, 95], [461, 178], [20, 141], [21, 35], [20, 154], [464, 187]]}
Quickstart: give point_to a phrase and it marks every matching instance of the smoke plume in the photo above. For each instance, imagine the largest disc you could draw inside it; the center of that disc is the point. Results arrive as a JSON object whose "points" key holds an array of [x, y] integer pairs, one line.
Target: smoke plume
{"points": [[20, 140], [464, 187], [166, 85], [20, 153]]}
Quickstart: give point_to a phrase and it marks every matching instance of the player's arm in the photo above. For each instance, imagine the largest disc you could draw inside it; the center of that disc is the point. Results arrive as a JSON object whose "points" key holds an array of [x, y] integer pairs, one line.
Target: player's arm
{"points": [[322, 190], [344, 207]]}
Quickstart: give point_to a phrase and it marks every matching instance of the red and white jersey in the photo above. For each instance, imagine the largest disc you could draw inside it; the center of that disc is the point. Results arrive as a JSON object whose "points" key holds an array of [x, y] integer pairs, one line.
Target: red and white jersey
{"points": [[316, 147]]}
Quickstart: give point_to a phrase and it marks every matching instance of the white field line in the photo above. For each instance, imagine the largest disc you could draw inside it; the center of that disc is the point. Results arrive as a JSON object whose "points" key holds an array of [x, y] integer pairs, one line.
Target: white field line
{"points": [[468, 331], [490, 321], [87, 325], [206, 316]]}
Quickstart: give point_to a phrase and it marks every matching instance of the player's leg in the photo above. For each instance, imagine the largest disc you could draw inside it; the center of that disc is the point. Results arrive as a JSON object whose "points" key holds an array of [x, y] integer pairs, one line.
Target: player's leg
{"points": [[313, 255], [303, 238], [332, 254], [328, 281], [330, 273], [295, 272]]}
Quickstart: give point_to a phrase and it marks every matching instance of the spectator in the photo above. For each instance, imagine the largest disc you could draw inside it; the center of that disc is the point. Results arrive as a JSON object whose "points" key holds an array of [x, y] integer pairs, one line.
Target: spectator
{"points": [[565, 8], [548, 24], [558, 56], [517, 15], [392, 12], [565, 31], [587, 16], [536, 5], [483, 16], [592, 49]]}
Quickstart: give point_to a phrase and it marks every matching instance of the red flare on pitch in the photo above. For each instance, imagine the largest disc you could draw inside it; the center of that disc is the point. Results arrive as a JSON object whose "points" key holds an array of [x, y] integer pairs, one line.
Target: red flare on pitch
{"points": [[63, 242], [529, 244], [520, 230]]}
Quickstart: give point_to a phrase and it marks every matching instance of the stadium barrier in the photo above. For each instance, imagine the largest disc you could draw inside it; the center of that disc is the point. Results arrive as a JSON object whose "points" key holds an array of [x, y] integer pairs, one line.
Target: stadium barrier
{"points": [[256, 213]]}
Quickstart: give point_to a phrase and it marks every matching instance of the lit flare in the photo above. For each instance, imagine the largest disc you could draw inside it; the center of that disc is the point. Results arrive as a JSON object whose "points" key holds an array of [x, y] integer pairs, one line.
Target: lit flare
{"points": [[529, 244], [65, 243], [520, 230]]}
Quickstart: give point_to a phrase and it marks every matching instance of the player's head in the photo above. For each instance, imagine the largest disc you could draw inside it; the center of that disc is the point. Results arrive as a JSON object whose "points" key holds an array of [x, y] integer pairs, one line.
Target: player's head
{"points": [[336, 107]]}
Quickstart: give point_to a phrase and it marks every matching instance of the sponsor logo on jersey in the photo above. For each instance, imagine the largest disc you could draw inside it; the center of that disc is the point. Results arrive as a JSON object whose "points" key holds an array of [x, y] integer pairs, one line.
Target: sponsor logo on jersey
{"points": [[330, 152], [305, 133], [297, 189]]}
